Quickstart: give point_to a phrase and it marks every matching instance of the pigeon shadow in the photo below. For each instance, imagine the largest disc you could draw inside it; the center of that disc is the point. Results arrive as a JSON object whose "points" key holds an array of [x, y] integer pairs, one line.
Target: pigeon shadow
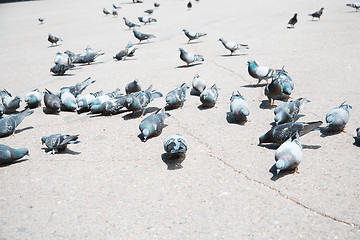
{"points": [[188, 66], [142, 43], [66, 151], [90, 63], [356, 142], [233, 55], [64, 75], [125, 60], [195, 42], [253, 85], [12, 163], [173, 162], [23, 129], [203, 107], [168, 108], [232, 120], [194, 93], [106, 115], [325, 132], [271, 146], [49, 111], [137, 114], [51, 46], [312, 147], [276, 175], [265, 104]]}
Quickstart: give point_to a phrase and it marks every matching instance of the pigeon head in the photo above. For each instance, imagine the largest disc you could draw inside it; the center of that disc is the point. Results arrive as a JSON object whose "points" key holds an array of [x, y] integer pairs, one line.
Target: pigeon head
{"points": [[170, 99], [282, 117], [30, 99], [221, 40], [147, 131], [283, 161], [56, 106], [181, 50], [20, 152], [185, 31], [43, 140]]}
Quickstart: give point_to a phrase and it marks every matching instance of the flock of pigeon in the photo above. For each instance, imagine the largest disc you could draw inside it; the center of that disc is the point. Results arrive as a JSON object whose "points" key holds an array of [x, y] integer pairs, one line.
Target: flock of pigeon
{"points": [[286, 131]]}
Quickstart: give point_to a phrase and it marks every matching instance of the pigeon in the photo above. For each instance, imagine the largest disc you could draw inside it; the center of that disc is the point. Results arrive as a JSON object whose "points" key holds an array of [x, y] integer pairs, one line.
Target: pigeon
{"points": [[149, 11], [68, 100], [59, 69], [41, 20], [198, 84], [106, 12], [52, 102], [58, 142], [190, 57], [288, 111], [127, 52], [338, 118], [137, 1], [130, 24], [354, 5], [292, 21], [289, 155], [113, 106], [114, 13], [193, 35], [261, 72], [282, 132], [98, 106], [2, 110], [239, 108], [53, 39], [116, 6], [89, 57], [358, 133], [176, 145], [9, 123], [233, 46], [189, 5], [134, 86], [9, 155], [138, 101], [142, 36], [153, 125], [146, 20], [209, 96], [60, 59], [317, 14], [83, 102], [79, 87], [279, 88], [9, 102], [72, 56], [156, 5], [177, 97], [33, 98]]}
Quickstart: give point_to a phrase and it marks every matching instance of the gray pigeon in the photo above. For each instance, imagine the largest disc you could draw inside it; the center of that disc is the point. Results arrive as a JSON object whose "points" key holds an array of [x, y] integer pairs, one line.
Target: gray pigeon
{"points": [[176, 145], [134, 86], [9, 123], [9, 155], [177, 97], [116, 6], [198, 84], [52, 102], [288, 111], [53, 39], [317, 14], [292, 21], [280, 88], [358, 133], [33, 98], [190, 57], [127, 52], [89, 57], [153, 125], [59, 69], [289, 155], [10, 103], [60, 59], [142, 36], [261, 72], [146, 20], [338, 118], [83, 102], [149, 11], [114, 13], [130, 24], [156, 5], [233, 46], [138, 101], [239, 108], [282, 132], [209, 96], [72, 56], [79, 87], [113, 106], [354, 5], [58, 142], [98, 106], [106, 12], [41, 20], [68, 100], [193, 35]]}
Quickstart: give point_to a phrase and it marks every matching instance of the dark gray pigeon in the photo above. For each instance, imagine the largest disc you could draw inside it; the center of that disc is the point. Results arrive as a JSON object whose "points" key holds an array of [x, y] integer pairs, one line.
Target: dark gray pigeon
{"points": [[114, 13], [193, 35], [358, 133], [113, 106], [261, 72], [9, 155], [177, 97], [59, 69], [209, 96], [153, 125], [134, 86], [116, 6], [41, 20], [280, 88], [190, 57], [282, 132], [317, 14], [146, 20], [142, 36], [77, 89], [289, 155], [33, 98], [52, 102], [58, 142], [239, 108], [53, 39], [292, 21], [176, 145], [138, 101], [9, 102], [106, 12], [288, 111], [149, 11], [130, 24], [233, 46], [338, 118], [198, 84], [9, 123], [189, 5]]}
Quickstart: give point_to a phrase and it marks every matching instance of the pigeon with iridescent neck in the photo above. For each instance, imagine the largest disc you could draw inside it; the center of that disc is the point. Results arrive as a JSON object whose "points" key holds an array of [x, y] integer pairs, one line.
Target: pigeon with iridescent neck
{"points": [[338, 118], [153, 125], [9, 123], [209, 96], [33, 98], [261, 72], [190, 57], [280, 88], [83, 102], [9, 155], [177, 97], [289, 155]]}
